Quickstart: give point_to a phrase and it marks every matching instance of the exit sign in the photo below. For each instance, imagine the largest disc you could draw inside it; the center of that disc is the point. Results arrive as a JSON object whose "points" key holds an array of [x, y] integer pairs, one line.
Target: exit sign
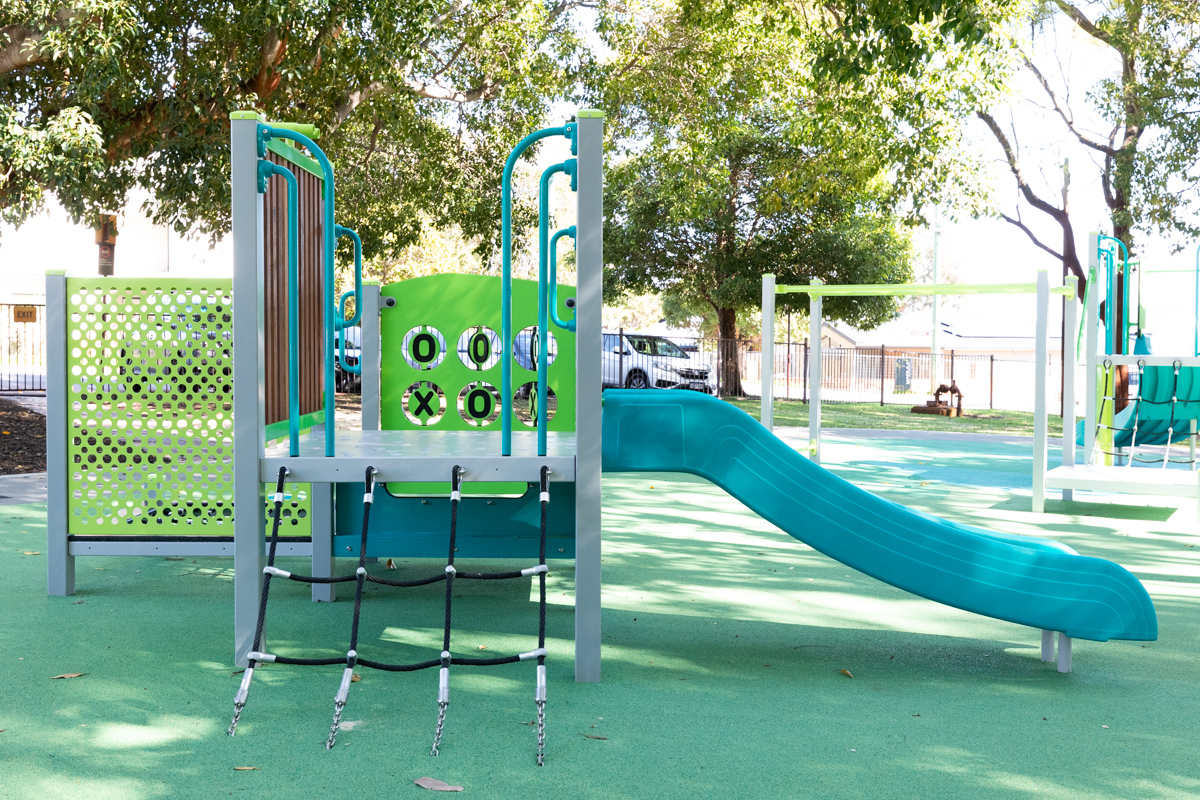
{"points": [[25, 313]]}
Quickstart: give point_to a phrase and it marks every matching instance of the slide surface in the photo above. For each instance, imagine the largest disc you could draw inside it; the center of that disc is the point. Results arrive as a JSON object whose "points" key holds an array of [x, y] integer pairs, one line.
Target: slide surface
{"points": [[1034, 582]]}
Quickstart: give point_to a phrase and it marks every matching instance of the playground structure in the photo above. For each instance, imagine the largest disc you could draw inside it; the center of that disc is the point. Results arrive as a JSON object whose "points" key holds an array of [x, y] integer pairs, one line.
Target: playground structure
{"points": [[429, 404], [816, 290], [1164, 411]]}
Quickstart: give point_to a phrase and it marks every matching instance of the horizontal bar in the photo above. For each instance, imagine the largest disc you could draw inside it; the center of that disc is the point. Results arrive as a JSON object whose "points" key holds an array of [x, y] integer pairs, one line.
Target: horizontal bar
{"points": [[175, 548], [915, 289], [1149, 361], [347, 469]]}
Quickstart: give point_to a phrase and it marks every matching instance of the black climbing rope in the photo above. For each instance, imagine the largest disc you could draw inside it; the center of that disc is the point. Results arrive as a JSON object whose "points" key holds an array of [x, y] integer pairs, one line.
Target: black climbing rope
{"points": [[239, 701], [449, 575]]}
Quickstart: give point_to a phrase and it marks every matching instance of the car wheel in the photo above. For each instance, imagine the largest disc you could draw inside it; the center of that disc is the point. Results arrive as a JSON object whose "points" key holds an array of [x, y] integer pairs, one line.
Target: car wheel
{"points": [[637, 380]]}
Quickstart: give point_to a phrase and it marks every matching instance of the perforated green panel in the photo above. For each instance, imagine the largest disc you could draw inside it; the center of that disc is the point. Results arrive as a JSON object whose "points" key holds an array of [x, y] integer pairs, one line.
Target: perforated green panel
{"points": [[149, 406]]}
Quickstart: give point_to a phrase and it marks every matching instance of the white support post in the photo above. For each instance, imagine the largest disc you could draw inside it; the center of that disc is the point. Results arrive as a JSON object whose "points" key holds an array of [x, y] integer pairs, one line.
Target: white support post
{"points": [[1069, 357], [249, 410], [1047, 646], [369, 349], [767, 370], [1091, 323], [589, 269], [814, 375], [1041, 359], [1064, 653], [321, 507], [60, 564]]}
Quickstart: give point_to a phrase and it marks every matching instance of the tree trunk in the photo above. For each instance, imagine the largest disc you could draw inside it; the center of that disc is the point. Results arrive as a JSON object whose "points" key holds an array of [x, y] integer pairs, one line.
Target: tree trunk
{"points": [[729, 374]]}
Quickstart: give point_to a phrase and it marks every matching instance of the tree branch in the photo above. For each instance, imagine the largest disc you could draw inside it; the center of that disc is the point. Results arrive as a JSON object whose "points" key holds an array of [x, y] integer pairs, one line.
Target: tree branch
{"points": [[1032, 237], [1066, 118], [20, 49], [1085, 24], [1015, 167]]}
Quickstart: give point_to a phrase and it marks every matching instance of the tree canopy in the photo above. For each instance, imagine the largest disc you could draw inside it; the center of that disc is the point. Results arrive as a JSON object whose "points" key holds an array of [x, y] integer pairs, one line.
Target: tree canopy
{"points": [[420, 102]]}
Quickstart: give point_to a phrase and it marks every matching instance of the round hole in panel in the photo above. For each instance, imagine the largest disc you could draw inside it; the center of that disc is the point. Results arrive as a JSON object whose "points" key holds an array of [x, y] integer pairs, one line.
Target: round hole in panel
{"points": [[479, 348], [526, 348], [424, 347], [525, 403], [479, 403], [424, 403]]}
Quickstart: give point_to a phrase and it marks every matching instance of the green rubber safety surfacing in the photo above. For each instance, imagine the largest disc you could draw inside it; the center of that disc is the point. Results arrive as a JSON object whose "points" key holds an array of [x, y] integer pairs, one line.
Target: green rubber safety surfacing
{"points": [[150, 407]]}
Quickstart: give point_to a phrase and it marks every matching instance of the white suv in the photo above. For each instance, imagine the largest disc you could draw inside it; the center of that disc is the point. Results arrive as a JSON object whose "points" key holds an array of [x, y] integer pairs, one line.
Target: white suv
{"points": [[646, 362]]}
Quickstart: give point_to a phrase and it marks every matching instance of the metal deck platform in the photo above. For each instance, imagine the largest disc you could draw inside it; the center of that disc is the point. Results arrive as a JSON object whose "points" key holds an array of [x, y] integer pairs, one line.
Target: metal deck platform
{"points": [[424, 455]]}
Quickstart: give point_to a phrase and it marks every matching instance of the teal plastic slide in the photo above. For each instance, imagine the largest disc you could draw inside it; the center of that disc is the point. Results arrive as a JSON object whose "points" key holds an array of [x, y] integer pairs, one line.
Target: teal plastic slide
{"points": [[1028, 581]]}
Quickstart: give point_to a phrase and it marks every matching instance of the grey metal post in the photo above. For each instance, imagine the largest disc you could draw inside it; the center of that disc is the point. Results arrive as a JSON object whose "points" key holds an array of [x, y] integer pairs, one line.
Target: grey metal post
{"points": [[1091, 320], [1041, 358], [249, 412], [1069, 357], [369, 357], [767, 369], [814, 375], [589, 261], [322, 540], [60, 564]]}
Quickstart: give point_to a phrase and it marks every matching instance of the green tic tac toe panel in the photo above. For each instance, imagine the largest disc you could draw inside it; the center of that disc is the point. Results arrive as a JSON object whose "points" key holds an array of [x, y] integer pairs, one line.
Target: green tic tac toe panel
{"points": [[442, 353]]}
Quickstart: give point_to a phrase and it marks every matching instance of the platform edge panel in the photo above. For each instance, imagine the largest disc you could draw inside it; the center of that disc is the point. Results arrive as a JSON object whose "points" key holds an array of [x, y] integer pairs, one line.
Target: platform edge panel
{"points": [[1170, 483], [346, 469], [393, 545], [176, 548]]}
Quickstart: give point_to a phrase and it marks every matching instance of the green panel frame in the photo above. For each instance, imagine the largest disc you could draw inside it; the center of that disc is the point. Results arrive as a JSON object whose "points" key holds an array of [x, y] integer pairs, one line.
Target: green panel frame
{"points": [[150, 408], [451, 304]]}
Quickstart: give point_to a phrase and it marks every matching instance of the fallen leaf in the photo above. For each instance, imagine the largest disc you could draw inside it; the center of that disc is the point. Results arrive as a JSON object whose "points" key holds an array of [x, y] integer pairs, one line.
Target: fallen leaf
{"points": [[355, 677], [916, 715], [436, 785], [70, 675], [32, 552], [1103, 726], [483, 647], [237, 672], [101, 568], [846, 672], [77, 603], [244, 769], [589, 736], [531, 723]]}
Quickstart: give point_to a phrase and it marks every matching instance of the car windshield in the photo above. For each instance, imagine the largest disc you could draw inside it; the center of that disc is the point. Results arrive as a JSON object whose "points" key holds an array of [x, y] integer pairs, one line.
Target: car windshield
{"points": [[655, 346]]}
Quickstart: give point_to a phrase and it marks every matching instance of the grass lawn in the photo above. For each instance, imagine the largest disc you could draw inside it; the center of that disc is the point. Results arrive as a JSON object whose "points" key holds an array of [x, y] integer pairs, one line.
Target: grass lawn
{"points": [[873, 415]]}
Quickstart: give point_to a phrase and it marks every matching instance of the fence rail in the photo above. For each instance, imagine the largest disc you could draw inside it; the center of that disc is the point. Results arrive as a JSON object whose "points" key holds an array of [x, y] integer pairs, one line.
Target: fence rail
{"points": [[22, 348], [884, 375]]}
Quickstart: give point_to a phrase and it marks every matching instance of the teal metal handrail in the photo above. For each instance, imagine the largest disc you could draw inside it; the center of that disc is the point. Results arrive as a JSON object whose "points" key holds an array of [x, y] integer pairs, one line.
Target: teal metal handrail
{"points": [[1110, 314], [353, 369], [342, 322], [568, 131], [568, 325], [265, 170], [266, 133], [543, 364]]}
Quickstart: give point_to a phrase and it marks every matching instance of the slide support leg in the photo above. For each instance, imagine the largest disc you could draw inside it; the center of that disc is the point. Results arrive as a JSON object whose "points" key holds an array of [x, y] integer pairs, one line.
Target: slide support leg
{"points": [[1064, 653], [1047, 646]]}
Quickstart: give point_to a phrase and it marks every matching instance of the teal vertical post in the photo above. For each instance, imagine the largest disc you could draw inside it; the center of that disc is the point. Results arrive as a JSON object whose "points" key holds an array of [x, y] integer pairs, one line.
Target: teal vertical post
{"points": [[543, 357], [506, 414], [267, 169]]}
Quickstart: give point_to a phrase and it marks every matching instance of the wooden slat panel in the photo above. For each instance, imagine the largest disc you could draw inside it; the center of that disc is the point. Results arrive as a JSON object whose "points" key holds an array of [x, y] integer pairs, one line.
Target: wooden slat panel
{"points": [[311, 256]]}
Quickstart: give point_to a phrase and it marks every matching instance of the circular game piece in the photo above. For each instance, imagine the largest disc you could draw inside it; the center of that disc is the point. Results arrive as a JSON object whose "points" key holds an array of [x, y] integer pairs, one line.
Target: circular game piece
{"points": [[424, 403], [479, 348], [424, 347], [525, 403], [525, 348], [479, 403]]}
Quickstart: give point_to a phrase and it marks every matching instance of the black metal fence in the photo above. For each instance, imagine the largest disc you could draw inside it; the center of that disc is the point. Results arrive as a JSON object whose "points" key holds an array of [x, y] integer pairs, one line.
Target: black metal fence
{"points": [[22, 348], [884, 375]]}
